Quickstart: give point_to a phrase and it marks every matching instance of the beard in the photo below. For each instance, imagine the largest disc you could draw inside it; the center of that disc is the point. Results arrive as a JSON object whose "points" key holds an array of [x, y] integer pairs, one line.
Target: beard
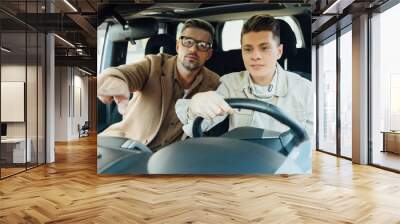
{"points": [[190, 65]]}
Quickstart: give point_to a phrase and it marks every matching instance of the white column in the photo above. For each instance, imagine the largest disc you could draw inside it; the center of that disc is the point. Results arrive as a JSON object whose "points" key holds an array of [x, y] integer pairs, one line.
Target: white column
{"points": [[360, 90], [314, 86], [50, 92], [50, 101]]}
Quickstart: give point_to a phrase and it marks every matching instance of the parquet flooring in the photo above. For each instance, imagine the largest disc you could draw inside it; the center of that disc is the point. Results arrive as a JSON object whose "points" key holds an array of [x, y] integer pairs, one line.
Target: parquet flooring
{"points": [[70, 191], [387, 159], [9, 171]]}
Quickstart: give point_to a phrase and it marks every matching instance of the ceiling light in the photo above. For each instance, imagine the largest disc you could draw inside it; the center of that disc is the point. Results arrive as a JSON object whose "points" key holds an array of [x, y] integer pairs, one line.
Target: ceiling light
{"points": [[64, 40], [70, 5], [337, 7], [5, 49], [84, 71]]}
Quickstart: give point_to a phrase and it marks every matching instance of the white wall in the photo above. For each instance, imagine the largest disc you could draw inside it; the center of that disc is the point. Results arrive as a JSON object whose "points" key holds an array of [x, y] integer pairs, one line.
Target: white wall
{"points": [[61, 103], [33, 126], [16, 73], [70, 83]]}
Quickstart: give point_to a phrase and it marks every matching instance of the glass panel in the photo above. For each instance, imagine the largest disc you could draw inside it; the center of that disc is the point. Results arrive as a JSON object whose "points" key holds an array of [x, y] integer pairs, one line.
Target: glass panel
{"points": [[327, 97], [31, 98], [346, 94], [41, 99], [22, 86], [32, 89], [13, 72], [385, 86]]}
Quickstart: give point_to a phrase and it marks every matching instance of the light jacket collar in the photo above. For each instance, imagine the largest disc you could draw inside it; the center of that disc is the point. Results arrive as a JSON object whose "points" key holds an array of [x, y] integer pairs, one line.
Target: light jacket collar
{"points": [[281, 88]]}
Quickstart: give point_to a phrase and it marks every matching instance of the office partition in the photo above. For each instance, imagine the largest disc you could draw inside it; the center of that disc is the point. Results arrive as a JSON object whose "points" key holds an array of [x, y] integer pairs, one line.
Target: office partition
{"points": [[22, 77]]}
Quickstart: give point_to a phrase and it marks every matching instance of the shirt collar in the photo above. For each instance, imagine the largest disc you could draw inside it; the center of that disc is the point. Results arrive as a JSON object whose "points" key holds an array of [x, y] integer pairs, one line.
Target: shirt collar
{"points": [[263, 91], [279, 82]]}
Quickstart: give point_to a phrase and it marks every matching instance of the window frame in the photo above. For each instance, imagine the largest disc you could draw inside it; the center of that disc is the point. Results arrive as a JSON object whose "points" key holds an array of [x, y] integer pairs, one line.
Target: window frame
{"points": [[335, 36]]}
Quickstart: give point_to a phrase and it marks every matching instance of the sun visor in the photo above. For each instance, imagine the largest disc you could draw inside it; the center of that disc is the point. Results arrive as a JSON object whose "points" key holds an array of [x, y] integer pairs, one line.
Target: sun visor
{"points": [[137, 29]]}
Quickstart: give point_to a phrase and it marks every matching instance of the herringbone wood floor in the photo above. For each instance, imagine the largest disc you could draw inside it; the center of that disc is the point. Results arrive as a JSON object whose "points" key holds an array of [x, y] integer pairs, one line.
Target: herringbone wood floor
{"points": [[70, 191]]}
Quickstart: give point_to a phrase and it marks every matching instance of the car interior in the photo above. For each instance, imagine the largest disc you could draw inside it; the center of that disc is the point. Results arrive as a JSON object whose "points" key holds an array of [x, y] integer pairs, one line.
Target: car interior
{"points": [[160, 23], [251, 150]]}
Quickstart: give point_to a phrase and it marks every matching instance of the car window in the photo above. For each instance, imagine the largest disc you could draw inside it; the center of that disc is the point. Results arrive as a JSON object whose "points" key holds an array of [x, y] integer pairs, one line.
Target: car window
{"points": [[135, 52], [231, 34], [232, 29], [101, 33]]}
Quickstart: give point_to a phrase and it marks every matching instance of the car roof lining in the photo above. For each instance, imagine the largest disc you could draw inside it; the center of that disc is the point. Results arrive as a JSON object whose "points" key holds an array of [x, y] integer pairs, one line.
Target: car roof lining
{"points": [[214, 13]]}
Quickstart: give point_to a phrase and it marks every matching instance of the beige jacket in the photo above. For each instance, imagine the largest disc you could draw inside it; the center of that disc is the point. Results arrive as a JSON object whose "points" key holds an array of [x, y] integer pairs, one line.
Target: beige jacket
{"points": [[293, 94], [152, 80]]}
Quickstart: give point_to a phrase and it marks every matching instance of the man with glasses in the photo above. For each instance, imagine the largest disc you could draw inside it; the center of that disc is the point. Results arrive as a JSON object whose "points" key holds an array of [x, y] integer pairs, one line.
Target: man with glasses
{"points": [[158, 82]]}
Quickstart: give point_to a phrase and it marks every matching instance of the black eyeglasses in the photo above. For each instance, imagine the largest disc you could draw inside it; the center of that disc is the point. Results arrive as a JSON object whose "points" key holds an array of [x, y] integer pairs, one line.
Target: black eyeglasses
{"points": [[189, 42]]}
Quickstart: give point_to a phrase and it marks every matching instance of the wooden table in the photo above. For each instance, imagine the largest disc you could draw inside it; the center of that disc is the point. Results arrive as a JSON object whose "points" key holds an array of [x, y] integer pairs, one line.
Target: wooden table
{"points": [[391, 141]]}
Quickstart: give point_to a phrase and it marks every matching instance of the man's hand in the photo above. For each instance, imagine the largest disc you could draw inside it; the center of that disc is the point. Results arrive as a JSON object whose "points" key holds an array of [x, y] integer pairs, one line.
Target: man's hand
{"points": [[208, 105], [110, 88]]}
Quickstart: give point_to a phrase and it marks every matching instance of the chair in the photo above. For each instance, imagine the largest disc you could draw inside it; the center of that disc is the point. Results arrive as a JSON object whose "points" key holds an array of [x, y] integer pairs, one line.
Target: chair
{"points": [[154, 44], [84, 129], [297, 60]]}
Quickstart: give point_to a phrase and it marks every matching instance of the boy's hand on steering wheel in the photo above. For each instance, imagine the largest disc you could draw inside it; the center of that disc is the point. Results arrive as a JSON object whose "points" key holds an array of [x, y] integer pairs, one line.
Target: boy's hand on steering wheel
{"points": [[208, 105]]}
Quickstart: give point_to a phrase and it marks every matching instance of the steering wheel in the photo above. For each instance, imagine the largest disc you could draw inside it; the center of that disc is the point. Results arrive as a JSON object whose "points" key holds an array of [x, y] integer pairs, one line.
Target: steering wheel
{"points": [[216, 155], [263, 107], [240, 151]]}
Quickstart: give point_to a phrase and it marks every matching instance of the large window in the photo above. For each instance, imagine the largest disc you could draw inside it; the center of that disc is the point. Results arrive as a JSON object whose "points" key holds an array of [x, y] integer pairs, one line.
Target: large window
{"points": [[385, 88], [327, 96], [346, 94]]}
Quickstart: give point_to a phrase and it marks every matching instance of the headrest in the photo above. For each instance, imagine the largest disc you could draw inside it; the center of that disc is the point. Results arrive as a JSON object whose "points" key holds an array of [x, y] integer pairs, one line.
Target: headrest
{"points": [[161, 40], [288, 40]]}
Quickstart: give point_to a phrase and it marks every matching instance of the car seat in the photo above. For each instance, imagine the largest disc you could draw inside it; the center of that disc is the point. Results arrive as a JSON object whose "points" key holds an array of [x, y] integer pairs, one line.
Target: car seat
{"points": [[161, 42]]}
